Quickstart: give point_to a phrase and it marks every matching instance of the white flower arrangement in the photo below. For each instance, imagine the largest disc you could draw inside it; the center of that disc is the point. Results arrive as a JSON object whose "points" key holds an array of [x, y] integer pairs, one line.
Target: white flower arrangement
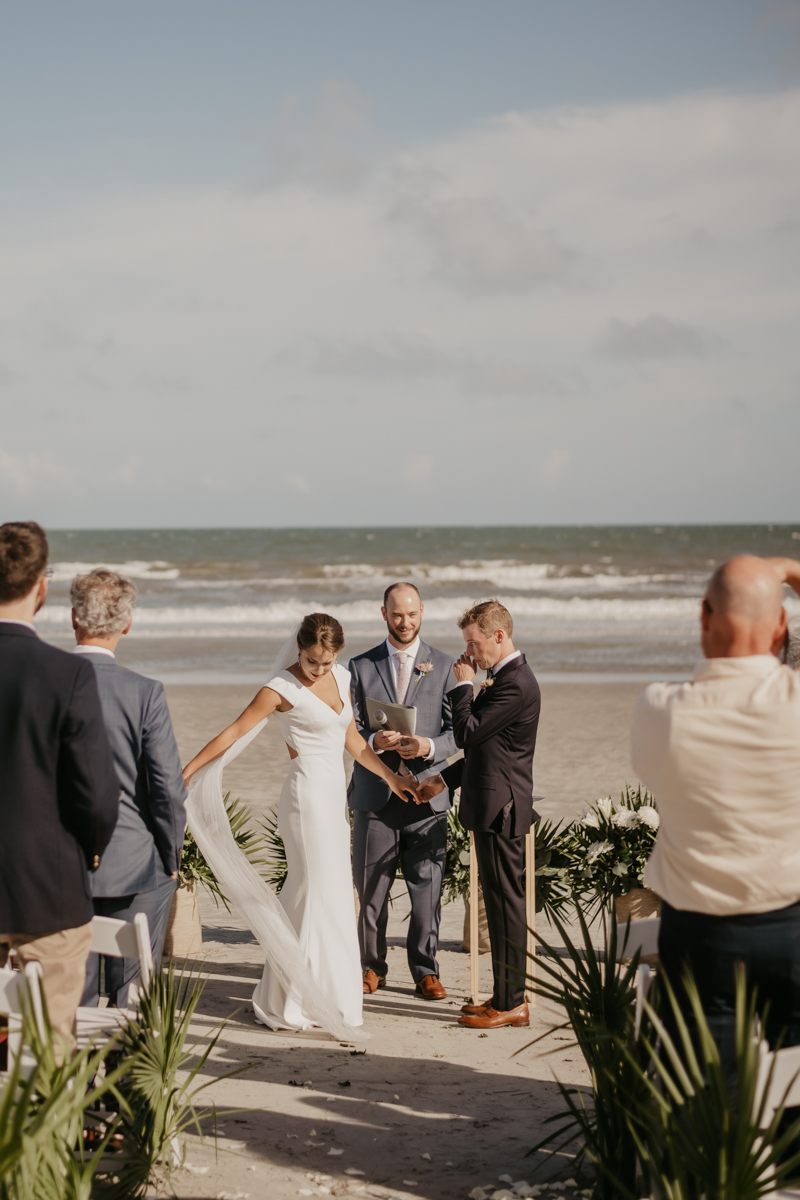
{"points": [[612, 842], [597, 849], [649, 816]]}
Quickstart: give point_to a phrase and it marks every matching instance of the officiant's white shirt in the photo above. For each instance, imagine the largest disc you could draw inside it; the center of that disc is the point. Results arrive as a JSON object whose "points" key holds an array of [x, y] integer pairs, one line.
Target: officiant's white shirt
{"points": [[395, 658], [722, 756]]}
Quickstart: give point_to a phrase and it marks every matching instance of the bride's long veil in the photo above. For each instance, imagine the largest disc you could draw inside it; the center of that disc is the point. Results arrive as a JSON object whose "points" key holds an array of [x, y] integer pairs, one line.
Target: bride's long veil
{"points": [[247, 891]]}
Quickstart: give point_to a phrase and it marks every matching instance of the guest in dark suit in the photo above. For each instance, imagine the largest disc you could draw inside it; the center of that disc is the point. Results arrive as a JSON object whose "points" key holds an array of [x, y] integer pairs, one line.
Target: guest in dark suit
{"points": [[58, 789], [403, 669], [497, 732], [140, 867]]}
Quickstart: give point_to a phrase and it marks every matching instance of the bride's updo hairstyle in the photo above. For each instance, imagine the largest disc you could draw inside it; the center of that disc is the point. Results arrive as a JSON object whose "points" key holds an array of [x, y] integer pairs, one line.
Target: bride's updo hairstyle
{"points": [[318, 629]]}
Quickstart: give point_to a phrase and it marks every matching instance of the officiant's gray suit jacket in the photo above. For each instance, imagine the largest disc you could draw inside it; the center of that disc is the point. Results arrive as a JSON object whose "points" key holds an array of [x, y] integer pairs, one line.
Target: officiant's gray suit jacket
{"points": [[371, 676], [152, 808]]}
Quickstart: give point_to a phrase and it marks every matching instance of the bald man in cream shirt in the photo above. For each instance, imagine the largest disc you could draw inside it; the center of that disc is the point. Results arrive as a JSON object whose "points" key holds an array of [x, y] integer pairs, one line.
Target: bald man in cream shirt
{"points": [[721, 754]]}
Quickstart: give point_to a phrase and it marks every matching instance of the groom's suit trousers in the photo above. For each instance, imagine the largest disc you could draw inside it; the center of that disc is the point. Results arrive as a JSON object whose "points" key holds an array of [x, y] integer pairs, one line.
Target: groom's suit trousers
{"points": [[501, 862], [415, 837]]}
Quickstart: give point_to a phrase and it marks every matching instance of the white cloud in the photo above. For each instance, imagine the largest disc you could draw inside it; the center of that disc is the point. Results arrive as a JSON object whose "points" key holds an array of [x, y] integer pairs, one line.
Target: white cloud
{"points": [[653, 337], [479, 247], [415, 292]]}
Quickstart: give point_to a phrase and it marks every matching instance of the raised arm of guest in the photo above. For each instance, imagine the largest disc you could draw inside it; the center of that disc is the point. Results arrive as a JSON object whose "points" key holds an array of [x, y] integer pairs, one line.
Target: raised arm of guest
{"points": [[788, 571]]}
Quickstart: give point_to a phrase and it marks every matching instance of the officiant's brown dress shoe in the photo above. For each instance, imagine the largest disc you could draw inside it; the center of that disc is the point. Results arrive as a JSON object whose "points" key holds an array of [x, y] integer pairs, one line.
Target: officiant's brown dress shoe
{"points": [[473, 1010], [490, 1018], [372, 981], [429, 988]]}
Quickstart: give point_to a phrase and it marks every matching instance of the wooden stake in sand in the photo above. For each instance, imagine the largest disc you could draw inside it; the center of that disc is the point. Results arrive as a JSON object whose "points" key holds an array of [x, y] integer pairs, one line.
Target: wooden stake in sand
{"points": [[474, 951], [530, 905]]}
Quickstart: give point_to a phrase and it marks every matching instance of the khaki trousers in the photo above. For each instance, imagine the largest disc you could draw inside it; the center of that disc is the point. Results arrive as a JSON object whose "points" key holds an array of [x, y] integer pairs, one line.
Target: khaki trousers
{"points": [[62, 957]]}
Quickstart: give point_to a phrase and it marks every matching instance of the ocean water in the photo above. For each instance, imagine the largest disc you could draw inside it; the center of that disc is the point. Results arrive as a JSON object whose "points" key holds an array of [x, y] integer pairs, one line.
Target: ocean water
{"points": [[594, 602]]}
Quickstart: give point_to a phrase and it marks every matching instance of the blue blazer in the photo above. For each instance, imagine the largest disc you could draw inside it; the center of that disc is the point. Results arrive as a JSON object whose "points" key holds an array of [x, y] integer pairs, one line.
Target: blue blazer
{"points": [[371, 676], [152, 812]]}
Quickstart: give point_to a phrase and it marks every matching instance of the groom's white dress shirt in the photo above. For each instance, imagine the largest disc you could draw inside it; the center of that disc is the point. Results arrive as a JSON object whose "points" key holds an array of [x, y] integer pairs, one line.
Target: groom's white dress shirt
{"points": [[94, 650], [722, 756], [396, 656]]}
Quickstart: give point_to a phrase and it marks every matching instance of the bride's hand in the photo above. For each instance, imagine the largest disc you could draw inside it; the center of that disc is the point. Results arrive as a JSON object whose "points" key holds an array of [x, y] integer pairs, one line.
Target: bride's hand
{"points": [[401, 784]]}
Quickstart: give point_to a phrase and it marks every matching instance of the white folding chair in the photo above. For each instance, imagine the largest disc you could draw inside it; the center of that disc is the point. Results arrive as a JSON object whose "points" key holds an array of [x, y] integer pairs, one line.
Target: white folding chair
{"points": [[784, 1088], [116, 939], [643, 936], [18, 990]]}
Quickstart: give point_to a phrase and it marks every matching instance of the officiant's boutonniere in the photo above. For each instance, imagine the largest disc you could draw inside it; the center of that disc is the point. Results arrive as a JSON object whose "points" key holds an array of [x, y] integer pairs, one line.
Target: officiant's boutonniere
{"points": [[424, 667], [487, 683]]}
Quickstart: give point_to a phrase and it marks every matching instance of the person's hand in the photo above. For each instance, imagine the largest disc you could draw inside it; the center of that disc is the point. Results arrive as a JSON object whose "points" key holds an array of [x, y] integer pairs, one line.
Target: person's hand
{"points": [[402, 784], [430, 788], [464, 669], [787, 570], [414, 747], [386, 739]]}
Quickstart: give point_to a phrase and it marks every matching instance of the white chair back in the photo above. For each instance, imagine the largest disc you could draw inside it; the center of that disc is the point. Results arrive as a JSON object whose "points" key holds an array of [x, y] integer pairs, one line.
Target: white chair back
{"points": [[642, 936], [124, 939], [19, 990], [638, 935]]}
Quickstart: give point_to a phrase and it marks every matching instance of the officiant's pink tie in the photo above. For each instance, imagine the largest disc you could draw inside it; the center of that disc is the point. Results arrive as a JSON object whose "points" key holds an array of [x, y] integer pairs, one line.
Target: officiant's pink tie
{"points": [[403, 676]]}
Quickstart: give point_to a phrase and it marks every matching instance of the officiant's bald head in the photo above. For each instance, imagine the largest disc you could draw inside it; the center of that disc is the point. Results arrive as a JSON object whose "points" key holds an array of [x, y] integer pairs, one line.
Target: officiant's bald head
{"points": [[742, 611]]}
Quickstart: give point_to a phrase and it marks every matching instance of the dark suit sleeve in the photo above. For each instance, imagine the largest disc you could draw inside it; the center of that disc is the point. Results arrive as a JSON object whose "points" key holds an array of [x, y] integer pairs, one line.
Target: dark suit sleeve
{"points": [[88, 788], [357, 701], [167, 791], [475, 724], [452, 775]]}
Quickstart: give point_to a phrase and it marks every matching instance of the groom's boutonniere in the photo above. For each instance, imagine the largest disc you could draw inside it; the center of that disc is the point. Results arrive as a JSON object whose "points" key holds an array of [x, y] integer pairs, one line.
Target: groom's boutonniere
{"points": [[487, 683], [424, 667]]}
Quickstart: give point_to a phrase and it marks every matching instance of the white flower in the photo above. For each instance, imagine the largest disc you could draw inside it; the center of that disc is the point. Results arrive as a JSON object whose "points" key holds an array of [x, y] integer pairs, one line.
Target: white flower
{"points": [[596, 850], [620, 868], [626, 818], [590, 821], [605, 807], [648, 816]]}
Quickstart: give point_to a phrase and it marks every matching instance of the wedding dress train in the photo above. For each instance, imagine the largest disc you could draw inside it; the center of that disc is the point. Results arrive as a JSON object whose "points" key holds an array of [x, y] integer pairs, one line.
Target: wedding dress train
{"points": [[312, 974]]}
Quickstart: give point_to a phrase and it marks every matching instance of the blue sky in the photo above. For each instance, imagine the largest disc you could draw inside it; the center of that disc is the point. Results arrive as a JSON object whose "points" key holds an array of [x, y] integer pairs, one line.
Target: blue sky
{"points": [[349, 262]]}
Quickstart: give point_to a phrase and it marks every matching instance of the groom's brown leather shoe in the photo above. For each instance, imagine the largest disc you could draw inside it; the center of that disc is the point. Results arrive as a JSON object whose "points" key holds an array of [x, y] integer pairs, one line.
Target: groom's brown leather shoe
{"points": [[490, 1018], [429, 988], [473, 1010], [372, 981]]}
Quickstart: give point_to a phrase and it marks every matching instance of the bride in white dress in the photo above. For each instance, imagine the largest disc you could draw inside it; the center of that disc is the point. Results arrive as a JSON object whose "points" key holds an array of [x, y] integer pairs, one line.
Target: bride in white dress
{"points": [[312, 974]]}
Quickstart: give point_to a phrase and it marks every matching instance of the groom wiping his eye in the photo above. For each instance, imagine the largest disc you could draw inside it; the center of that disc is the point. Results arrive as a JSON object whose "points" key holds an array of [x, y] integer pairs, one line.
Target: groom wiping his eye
{"points": [[403, 669]]}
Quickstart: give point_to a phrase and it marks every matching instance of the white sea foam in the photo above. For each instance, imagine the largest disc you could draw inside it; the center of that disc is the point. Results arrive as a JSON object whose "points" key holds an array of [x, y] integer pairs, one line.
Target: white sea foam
{"points": [[280, 615], [65, 572]]}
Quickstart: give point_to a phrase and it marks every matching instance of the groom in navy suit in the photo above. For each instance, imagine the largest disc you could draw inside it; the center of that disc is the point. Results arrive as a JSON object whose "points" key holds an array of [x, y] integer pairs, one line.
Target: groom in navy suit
{"points": [[402, 670]]}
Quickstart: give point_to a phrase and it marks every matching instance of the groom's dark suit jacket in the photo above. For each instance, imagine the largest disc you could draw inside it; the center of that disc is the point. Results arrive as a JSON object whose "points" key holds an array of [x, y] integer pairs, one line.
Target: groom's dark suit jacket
{"points": [[497, 732], [59, 793]]}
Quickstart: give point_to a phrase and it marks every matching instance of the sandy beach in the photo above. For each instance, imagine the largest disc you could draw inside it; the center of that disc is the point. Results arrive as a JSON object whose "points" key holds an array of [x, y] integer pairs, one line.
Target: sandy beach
{"points": [[430, 1109], [581, 752]]}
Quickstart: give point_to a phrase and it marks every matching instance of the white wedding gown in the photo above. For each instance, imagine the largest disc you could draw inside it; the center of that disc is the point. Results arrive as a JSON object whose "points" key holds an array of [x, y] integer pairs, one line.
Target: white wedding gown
{"points": [[312, 974], [317, 896]]}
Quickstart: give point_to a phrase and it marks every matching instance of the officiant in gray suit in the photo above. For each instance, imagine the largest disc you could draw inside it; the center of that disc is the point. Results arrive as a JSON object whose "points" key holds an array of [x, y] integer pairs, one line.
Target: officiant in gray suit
{"points": [[403, 669], [139, 870]]}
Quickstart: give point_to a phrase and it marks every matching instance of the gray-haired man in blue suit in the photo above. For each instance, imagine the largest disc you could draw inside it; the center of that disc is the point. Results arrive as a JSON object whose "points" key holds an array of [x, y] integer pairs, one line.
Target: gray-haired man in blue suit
{"points": [[138, 872], [404, 670]]}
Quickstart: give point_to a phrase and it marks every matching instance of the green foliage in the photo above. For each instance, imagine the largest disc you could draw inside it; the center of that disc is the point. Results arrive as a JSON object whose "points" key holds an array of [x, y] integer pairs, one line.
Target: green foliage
{"points": [[700, 1134], [598, 999], [195, 870], [158, 1081], [42, 1116], [456, 869], [610, 845], [555, 876], [276, 869]]}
